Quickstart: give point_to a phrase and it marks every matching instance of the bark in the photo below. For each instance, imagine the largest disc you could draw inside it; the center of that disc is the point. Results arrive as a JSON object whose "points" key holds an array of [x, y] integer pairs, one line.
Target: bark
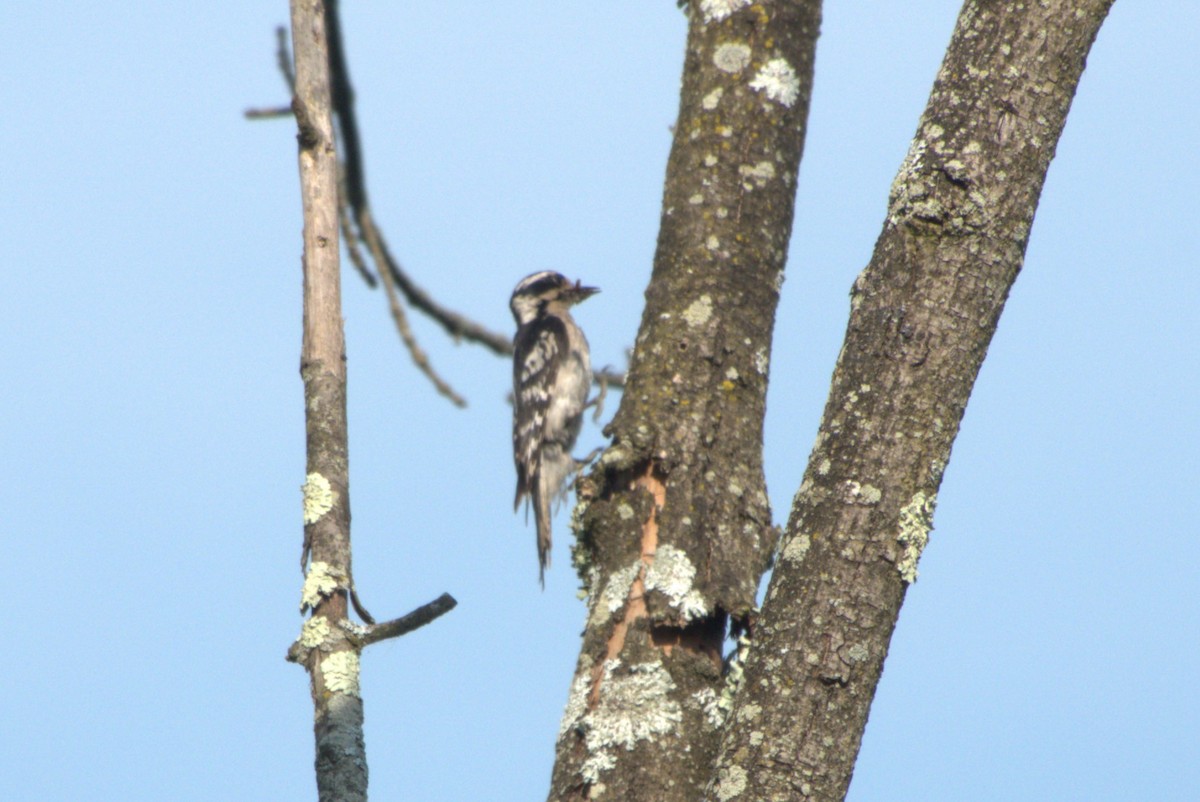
{"points": [[328, 654], [922, 315], [330, 643], [673, 526]]}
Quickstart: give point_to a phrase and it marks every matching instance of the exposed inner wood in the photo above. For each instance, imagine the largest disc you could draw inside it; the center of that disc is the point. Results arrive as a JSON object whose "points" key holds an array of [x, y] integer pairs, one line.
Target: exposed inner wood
{"points": [[635, 602]]}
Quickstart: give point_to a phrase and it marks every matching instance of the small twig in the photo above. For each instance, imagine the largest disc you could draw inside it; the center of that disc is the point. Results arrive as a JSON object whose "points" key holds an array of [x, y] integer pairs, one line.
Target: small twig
{"points": [[270, 113], [598, 402], [358, 606], [406, 624], [283, 57], [350, 237], [420, 359], [608, 377], [457, 326]]}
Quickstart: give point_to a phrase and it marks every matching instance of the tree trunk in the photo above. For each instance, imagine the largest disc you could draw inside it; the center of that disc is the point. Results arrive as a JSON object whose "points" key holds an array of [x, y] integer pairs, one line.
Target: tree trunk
{"points": [[673, 526], [922, 315], [323, 648]]}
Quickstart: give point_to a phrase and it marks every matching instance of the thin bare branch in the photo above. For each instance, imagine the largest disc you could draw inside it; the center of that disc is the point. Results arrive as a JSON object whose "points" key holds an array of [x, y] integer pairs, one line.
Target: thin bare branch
{"points": [[355, 196], [358, 606], [283, 57], [455, 324], [356, 207], [609, 377], [420, 359], [358, 227], [350, 237], [405, 624], [267, 113]]}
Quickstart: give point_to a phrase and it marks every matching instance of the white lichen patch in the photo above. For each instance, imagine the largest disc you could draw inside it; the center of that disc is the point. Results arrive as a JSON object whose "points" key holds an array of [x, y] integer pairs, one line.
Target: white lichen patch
{"points": [[756, 175], [857, 653], [314, 632], [318, 497], [596, 764], [731, 781], [671, 574], [712, 243], [797, 548], [761, 360], [712, 99], [735, 675], [731, 57], [717, 10], [777, 80], [576, 702], [699, 311], [320, 581], [617, 457], [635, 705], [916, 520], [749, 712], [706, 699], [340, 671]]}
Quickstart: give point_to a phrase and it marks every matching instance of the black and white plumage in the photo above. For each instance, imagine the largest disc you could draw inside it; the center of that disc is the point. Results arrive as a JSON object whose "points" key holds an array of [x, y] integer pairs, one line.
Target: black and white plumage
{"points": [[552, 372]]}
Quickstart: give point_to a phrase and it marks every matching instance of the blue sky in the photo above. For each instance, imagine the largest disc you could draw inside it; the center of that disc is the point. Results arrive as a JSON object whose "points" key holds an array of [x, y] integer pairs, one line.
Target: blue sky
{"points": [[153, 429]]}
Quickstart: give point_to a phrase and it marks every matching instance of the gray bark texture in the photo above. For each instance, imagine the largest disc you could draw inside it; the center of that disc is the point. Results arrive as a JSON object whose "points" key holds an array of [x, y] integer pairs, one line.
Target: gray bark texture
{"points": [[673, 527], [330, 657], [922, 315]]}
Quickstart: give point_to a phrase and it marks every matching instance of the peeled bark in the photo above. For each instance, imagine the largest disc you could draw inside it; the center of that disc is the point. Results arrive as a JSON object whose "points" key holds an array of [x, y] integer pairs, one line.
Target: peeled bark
{"points": [[922, 315], [674, 529]]}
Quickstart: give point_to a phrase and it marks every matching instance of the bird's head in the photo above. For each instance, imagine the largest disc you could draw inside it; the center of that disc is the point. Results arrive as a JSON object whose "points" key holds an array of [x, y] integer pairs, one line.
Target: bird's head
{"points": [[539, 291]]}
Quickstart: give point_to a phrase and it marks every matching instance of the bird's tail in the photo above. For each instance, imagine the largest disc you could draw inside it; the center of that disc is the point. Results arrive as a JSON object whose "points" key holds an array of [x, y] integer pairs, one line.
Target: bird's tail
{"points": [[542, 495]]}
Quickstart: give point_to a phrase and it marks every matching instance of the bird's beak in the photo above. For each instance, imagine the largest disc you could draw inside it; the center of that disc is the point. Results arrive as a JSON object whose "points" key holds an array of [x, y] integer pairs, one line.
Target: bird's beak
{"points": [[582, 293]]}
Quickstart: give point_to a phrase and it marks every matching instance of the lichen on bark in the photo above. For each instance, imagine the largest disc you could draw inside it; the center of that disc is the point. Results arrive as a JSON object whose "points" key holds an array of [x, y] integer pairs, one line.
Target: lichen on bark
{"points": [[674, 530]]}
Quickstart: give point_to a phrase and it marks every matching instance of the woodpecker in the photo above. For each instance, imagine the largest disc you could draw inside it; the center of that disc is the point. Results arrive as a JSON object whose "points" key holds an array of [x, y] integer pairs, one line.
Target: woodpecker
{"points": [[552, 372]]}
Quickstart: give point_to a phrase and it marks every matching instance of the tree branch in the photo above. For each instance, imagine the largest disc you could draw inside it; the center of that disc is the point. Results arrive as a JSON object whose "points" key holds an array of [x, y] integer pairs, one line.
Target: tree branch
{"points": [[425, 614], [356, 208], [673, 525], [341, 753], [922, 315], [366, 230], [329, 644]]}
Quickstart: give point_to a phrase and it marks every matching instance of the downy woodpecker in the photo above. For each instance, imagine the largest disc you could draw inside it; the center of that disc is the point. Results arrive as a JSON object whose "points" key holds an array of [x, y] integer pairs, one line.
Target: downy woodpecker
{"points": [[552, 373]]}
